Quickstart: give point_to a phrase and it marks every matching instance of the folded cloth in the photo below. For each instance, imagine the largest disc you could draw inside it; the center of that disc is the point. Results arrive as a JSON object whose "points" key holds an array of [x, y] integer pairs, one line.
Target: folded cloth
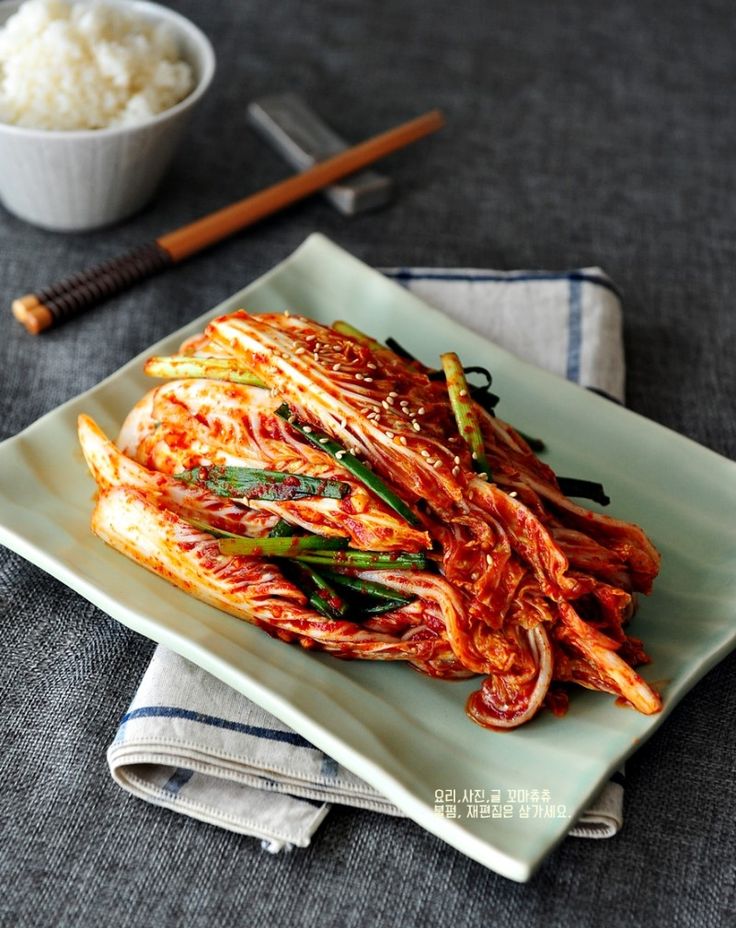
{"points": [[193, 744]]}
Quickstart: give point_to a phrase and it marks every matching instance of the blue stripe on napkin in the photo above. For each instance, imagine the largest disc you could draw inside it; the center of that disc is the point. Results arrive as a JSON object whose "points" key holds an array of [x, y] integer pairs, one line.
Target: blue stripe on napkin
{"points": [[405, 274], [270, 734], [180, 777], [574, 331]]}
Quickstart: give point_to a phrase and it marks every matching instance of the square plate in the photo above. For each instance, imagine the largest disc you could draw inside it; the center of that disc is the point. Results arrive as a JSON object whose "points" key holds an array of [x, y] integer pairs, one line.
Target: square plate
{"points": [[407, 734]]}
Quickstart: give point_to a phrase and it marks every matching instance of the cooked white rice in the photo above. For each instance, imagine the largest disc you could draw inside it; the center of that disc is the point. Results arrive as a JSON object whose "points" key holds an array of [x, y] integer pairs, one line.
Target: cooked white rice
{"points": [[86, 66]]}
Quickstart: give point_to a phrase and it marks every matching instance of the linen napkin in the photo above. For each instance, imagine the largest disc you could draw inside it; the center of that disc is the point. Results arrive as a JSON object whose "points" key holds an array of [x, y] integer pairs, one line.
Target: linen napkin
{"points": [[190, 743]]}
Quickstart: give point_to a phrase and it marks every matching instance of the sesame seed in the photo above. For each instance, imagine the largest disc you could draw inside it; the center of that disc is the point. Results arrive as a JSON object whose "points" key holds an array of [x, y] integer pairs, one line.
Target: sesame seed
{"points": [[483, 476], [457, 459], [307, 429], [474, 576], [455, 471], [392, 393], [368, 379], [385, 404], [340, 455], [358, 376], [402, 439], [489, 559], [420, 411], [403, 403], [335, 367], [416, 426], [514, 494], [389, 434], [390, 399], [424, 453], [353, 450], [323, 441], [437, 464], [372, 366], [300, 350], [343, 423], [463, 393], [474, 456]]}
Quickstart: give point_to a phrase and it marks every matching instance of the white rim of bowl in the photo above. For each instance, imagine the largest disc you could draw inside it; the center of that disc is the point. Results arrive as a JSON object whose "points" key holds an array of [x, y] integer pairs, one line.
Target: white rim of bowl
{"points": [[163, 14]]}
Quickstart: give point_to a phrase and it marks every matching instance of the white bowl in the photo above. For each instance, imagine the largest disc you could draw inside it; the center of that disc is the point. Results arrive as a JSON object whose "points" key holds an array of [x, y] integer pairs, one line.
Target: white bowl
{"points": [[82, 179]]}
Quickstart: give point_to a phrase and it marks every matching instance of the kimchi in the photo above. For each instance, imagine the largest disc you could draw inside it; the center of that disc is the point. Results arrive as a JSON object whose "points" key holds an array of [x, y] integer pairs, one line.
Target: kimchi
{"points": [[342, 496]]}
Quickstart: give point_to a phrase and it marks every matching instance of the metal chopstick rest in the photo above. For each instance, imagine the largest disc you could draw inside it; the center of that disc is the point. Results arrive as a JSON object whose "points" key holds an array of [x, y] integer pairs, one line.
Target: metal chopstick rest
{"points": [[303, 139]]}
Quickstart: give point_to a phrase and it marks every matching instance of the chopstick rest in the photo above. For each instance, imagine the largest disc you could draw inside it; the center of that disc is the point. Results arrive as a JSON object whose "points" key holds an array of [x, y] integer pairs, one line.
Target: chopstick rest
{"points": [[52, 305], [303, 138]]}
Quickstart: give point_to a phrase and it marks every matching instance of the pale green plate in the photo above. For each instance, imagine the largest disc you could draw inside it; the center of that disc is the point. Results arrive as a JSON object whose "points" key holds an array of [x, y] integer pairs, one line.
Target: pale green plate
{"points": [[406, 734]]}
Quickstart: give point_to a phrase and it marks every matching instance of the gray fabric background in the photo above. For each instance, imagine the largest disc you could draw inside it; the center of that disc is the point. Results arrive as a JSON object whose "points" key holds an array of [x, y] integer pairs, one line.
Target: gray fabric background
{"points": [[576, 135]]}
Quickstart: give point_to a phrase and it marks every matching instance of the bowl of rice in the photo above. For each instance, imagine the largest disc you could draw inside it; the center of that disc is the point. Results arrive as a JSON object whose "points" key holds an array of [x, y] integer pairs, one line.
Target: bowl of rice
{"points": [[94, 99]]}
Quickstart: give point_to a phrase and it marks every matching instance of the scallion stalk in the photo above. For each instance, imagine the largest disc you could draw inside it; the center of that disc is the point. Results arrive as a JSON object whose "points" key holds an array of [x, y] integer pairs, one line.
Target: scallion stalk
{"points": [[251, 483], [329, 552], [283, 547], [322, 596], [217, 532], [462, 406], [365, 560], [282, 529], [369, 588], [344, 328], [186, 366], [385, 606], [351, 464]]}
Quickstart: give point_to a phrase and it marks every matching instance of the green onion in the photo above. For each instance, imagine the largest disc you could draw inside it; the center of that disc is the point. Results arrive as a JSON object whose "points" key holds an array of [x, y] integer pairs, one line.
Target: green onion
{"points": [[584, 489], [536, 444], [283, 547], [321, 595], [217, 532], [385, 606], [282, 529], [344, 328], [210, 368], [397, 349], [250, 483], [364, 560], [351, 464], [370, 588], [482, 395], [462, 406], [329, 552]]}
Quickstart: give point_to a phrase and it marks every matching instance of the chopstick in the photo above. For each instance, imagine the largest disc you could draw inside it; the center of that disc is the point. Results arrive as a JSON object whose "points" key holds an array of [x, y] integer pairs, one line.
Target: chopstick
{"points": [[55, 304]]}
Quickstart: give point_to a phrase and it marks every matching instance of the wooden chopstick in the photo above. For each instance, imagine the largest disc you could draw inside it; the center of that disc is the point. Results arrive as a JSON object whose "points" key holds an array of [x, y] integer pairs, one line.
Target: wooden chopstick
{"points": [[45, 308]]}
